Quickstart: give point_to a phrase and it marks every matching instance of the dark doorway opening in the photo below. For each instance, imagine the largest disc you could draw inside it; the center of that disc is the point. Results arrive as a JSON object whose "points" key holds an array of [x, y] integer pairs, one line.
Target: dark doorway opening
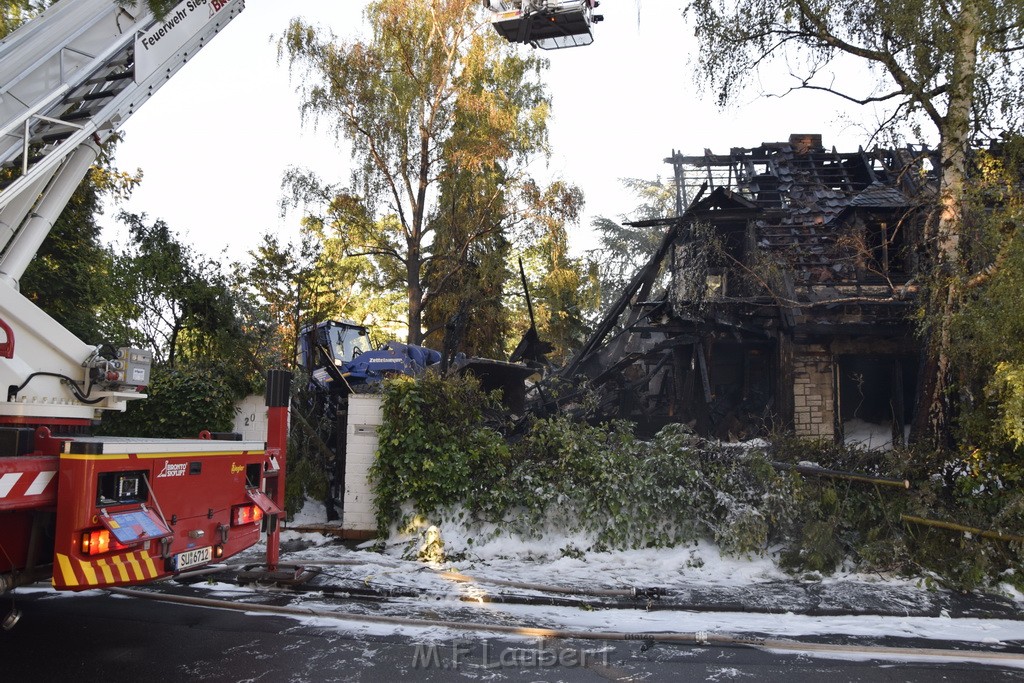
{"points": [[875, 399]]}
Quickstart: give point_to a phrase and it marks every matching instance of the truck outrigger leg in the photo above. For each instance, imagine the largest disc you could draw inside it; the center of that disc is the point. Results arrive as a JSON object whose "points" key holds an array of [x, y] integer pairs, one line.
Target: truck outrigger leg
{"points": [[547, 24]]}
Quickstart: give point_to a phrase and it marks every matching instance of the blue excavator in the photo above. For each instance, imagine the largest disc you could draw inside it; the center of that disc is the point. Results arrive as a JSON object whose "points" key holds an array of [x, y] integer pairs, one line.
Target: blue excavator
{"points": [[340, 360]]}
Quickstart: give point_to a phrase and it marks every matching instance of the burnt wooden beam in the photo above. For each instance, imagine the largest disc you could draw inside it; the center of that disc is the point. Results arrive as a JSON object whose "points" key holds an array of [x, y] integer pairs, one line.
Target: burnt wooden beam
{"points": [[860, 329], [628, 359], [641, 282], [645, 276]]}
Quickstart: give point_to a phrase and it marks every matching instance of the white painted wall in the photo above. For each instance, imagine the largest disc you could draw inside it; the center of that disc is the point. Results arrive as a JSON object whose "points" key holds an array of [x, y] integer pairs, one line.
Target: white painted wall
{"points": [[364, 416], [251, 418]]}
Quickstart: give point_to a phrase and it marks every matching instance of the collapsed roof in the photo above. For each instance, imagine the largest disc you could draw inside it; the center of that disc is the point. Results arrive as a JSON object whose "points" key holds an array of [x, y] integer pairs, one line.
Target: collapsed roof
{"points": [[780, 244]]}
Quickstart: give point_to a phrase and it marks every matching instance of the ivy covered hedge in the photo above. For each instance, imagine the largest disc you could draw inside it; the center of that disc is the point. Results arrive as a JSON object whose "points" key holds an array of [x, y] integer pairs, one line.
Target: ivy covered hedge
{"points": [[434, 448], [439, 459]]}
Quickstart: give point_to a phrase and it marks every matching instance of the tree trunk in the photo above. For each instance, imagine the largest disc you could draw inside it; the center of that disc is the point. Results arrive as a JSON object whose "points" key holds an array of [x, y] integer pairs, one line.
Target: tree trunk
{"points": [[414, 266], [934, 409], [415, 335]]}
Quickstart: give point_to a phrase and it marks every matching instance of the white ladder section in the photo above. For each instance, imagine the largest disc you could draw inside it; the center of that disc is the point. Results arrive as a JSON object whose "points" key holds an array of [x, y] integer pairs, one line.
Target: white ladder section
{"points": [[68, 80]]}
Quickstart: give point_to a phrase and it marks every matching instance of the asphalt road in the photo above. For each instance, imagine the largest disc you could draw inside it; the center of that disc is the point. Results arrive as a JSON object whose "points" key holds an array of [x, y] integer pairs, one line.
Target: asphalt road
{"points": [[99, 637]]}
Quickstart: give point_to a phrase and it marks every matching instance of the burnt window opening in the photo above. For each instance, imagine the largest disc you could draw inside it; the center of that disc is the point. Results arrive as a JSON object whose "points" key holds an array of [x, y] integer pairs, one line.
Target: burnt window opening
{"points": [[716, 281], [740, 387], [886, 249], [725, 259]]}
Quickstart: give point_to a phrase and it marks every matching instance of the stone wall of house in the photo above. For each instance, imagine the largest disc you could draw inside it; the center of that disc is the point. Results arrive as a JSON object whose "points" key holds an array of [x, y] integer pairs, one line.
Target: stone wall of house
{"points": [[813, 394]]}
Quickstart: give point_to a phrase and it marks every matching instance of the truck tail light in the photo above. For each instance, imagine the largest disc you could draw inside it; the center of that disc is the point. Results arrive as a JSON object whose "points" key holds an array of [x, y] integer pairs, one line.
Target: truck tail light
{"points": [[99, 541], [245, 514]]}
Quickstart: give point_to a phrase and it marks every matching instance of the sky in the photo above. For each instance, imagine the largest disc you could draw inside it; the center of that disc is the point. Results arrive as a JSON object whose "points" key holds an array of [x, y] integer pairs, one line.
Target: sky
{"points": [[215, 141]]}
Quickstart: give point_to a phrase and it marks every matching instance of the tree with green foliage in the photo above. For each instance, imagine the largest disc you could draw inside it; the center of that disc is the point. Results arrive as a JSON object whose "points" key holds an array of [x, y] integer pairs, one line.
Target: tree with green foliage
{"points": [[208, 343], [565, 288], [288, 285], [625, 249], [149, 274], [353, 286], [442, 118], [177, 302], [990, 322], [955, 67], [468, 313]]}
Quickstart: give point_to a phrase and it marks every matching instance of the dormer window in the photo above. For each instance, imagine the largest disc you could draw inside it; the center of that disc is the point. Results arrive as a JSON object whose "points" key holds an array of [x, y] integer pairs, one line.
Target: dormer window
{"points": [[886, 248]]}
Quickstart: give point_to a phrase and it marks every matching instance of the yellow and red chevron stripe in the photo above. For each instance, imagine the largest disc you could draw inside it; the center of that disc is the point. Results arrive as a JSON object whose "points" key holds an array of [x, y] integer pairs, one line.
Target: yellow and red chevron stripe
{"points": [[112, 570]]}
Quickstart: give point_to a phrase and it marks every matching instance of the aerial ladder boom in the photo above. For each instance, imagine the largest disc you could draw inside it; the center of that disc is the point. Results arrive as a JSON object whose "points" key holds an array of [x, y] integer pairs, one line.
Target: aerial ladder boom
{"points": [[68, 80], [96, 511]]}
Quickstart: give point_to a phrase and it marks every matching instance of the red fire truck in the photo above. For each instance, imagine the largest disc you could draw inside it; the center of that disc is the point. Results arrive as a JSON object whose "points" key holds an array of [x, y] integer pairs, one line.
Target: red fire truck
{"points": [[98, 511]]}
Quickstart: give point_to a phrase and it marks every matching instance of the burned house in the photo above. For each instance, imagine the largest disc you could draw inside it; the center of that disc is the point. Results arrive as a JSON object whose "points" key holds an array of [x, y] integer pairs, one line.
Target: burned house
{"points": [[779, 299]]}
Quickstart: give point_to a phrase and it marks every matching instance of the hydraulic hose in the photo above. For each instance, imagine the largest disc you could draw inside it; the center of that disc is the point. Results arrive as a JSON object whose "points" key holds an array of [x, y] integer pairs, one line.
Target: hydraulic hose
{"points": [[631, 597], [699, 638], [633, 592]]}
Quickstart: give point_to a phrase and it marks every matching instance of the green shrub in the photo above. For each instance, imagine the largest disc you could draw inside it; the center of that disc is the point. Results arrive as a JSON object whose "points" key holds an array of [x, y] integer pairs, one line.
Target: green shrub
{"points": [[183, 401], [434, 449], [437, 458]]}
